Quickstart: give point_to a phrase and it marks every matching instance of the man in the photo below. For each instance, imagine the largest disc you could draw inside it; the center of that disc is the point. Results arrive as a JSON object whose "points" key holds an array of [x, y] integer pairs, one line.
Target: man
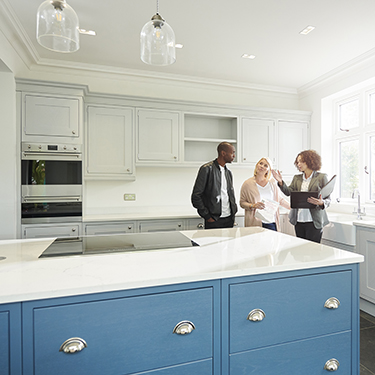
{"points": [[213, 193]]}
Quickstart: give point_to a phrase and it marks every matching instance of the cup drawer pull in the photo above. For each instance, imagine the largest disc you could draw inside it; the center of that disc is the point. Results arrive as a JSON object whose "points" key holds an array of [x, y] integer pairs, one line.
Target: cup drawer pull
{"points": [[332, 303], [256, 315], [184, 328], [332, 365], [73, 345]]}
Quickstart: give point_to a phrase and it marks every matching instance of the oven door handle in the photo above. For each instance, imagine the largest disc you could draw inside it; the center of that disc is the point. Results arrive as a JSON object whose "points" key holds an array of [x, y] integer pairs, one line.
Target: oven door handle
{"points": [[51, 156], [44, 198]]}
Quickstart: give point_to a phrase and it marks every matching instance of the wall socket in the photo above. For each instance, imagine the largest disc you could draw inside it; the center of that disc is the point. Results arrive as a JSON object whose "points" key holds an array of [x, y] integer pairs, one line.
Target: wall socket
{"points": [[129, 197]]}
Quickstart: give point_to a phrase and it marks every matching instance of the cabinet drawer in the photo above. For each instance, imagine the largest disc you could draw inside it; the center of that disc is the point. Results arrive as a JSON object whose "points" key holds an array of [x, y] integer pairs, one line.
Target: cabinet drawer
{"points": [[125, 335], [197, 368], [293, 307], [306, 357]]}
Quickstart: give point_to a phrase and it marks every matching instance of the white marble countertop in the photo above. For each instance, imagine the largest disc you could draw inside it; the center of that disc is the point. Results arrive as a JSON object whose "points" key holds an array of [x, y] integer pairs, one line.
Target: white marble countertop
{"points": [[222, 253]]}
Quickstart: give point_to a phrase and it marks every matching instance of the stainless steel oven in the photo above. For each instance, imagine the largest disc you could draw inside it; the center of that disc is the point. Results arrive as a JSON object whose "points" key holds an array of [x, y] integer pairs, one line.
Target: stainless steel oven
{"points": [[51, 176]]}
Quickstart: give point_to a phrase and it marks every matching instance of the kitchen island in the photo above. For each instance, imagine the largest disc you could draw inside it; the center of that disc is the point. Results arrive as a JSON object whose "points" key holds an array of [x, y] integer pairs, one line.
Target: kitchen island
{"points": [[246, 300]]}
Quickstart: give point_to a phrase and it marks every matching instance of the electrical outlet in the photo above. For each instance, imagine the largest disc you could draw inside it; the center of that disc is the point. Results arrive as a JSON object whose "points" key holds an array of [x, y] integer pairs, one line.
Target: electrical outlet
{"points": [[129, 197]]}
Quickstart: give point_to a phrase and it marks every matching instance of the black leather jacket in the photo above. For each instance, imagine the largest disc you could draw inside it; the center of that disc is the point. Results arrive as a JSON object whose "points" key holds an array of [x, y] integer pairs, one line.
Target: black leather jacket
{"points": [[207, 191]]}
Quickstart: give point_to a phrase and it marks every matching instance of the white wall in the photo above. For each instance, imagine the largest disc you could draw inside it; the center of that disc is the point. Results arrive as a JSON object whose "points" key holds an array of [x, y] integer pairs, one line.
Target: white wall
{"points": [[9, 189]]}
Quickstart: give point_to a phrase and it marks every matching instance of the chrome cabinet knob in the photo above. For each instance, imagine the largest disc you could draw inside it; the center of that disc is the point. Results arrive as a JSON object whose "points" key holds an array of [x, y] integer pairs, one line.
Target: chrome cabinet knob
{"points": [[73, 132], [200, 226], [256, 315], [129, 227], [235, 224], [332, 365], [73, 345], [183, 328], [73, 229], [332, 303]]}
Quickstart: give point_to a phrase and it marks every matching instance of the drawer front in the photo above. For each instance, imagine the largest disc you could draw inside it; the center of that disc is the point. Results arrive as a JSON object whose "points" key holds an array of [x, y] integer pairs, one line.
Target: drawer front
{"points": [[125, 335], [196, 368], [307, 357], [293, 307]]}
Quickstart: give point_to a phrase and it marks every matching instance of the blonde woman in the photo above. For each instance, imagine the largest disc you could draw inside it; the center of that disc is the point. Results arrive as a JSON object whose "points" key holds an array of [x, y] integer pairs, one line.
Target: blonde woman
{"points": [[257, 188]]}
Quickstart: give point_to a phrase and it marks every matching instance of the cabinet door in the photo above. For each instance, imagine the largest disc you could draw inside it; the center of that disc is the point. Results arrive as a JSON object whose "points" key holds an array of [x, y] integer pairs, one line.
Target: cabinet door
{"points": [[160, 225], [123, 335], [192, 224], [51, 230], [49, 116], [10, 339], [258, 137], [114, 228], [291, 141], [158, 136], [366, 247], [109, 143]]}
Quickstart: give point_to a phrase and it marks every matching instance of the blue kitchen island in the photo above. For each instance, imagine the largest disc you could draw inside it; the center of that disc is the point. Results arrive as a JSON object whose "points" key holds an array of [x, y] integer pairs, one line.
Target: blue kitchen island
{"points": [[245, 301]]}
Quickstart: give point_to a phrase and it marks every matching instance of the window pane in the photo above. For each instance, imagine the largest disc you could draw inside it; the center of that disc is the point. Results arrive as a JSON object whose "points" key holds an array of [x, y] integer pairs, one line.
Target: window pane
{"points": [[349, 171], [372, 108], [349, 115], [372, 168]]}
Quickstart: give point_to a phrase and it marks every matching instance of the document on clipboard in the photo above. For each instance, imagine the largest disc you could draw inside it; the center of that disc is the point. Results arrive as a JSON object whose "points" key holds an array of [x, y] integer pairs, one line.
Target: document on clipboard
{"points": [[298, 199]]}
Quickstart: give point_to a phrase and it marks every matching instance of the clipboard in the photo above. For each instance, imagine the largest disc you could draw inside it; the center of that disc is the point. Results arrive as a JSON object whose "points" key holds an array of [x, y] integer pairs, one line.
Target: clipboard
{"points": [[298, 199]]}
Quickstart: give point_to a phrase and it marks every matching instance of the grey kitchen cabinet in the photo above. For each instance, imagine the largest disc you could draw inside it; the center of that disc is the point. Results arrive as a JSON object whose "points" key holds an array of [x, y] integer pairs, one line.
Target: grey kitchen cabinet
{"points": [[192, 224], [203, 132], [51, 230], [51, 118], [365, 245], [292, 139], [158, 137], [160, 225], [109, 143], [258, 140], [110, 228]]}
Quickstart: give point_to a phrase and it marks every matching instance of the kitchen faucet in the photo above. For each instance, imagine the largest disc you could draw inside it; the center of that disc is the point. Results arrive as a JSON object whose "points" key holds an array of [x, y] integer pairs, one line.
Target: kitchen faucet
{"points": [[359, 211]]}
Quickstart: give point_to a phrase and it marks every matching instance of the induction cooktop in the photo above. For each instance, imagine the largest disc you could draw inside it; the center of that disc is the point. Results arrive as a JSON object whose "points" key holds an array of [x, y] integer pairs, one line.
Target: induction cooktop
{"points": [[99, 244]]}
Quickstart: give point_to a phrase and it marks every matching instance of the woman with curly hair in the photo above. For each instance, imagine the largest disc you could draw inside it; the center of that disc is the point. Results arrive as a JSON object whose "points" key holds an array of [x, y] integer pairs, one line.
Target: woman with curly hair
{"points": [[308, 222]]}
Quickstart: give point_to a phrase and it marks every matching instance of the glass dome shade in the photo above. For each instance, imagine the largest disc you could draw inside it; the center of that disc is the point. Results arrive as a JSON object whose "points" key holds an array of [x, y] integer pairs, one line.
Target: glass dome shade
{"points": [[158, 42], [57, 26]]}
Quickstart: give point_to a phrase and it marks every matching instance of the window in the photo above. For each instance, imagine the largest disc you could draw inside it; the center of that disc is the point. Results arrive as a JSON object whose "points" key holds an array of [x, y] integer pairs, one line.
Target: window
{"points": [[354, 142]]}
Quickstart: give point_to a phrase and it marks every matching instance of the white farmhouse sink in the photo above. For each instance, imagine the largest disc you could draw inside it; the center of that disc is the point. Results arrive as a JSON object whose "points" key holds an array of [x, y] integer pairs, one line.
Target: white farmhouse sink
{"points": [[341, 228]]}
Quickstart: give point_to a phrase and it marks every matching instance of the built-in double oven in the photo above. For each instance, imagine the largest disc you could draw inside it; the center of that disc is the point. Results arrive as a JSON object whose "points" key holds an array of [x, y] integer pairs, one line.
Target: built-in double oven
{"points": [[51, 183]]}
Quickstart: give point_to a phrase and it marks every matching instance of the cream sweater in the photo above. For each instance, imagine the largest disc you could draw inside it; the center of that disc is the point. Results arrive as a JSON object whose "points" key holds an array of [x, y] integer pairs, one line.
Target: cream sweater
{"points": [[250, 195]]}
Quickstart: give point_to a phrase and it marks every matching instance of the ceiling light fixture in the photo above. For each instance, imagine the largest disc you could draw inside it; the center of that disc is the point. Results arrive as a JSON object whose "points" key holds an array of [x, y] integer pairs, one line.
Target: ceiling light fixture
{"points": [[57, 26], [247, 56], [307, 30], [158, 45]]}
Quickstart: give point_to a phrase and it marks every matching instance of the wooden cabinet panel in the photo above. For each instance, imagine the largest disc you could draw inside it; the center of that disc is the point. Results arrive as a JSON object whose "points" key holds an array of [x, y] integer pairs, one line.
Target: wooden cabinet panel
{"points": [[109, 143], [294, 309], [157, 136], [160, 225], [51, 230], [113, 228]]}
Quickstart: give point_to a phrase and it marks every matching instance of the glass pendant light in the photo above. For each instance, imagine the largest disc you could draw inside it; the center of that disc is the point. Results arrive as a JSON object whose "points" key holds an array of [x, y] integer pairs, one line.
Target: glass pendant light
{"points": [[158, 41], [57, 26]]}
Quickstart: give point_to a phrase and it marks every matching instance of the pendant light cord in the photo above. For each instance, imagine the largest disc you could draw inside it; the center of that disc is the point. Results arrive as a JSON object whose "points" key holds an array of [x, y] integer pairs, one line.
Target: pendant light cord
{"points": [[157, 6]]}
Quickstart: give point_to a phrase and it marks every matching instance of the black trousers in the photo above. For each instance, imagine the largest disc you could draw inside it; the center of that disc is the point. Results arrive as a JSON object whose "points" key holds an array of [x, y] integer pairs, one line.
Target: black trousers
{"points": [[308, 231], [223, 222]]}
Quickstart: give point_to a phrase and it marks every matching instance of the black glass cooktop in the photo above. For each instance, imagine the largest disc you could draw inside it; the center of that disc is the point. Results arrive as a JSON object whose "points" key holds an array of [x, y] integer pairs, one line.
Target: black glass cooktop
{"points": [[117, 243]]}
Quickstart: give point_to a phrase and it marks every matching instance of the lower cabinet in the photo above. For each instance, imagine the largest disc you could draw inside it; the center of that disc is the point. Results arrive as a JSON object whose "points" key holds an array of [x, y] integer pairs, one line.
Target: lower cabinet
{"points": [[366, 246], [110, 228], [10, 339], [160, 225], [51, 230], [302, 321]]}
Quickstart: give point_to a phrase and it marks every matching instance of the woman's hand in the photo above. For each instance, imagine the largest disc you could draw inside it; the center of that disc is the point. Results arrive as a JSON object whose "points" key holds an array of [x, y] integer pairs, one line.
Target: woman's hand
{"points": [[277, 176], [316, 201], [258, 206]]}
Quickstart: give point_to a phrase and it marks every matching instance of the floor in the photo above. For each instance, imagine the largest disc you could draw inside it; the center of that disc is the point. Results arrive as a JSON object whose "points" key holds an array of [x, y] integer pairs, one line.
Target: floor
{"points": [[367, 344]]}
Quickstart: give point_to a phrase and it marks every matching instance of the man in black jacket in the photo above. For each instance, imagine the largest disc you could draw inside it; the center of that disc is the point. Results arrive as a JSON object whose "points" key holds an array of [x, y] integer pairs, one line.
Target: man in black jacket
{"points": [[213, 192]]}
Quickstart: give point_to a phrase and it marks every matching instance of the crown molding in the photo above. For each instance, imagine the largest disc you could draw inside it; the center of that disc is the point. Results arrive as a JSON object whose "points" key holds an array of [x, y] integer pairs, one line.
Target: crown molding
{"points": [[353, 66]]}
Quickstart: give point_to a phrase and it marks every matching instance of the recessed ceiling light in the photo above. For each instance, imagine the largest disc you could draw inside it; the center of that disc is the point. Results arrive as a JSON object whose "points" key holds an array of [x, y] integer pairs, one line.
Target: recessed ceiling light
{"points": [[87, 32], [247, 56], [177, 45], [307, 30]]}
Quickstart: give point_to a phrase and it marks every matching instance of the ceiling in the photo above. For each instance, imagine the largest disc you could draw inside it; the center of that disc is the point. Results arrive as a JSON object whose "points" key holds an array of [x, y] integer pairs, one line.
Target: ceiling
{"points": [[215, 34]]}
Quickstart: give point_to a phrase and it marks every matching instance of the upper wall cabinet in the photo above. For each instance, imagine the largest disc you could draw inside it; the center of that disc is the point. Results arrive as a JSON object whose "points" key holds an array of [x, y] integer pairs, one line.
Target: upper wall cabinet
{"points": [[202, 134], [158, 135], [291, 141], [257, 140], [109, 143], [47, 118]]}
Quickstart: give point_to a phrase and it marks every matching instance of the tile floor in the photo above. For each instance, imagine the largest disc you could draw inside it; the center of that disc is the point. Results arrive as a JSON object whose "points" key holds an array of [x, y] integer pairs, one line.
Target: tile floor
{"points": [[367, 350]]}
